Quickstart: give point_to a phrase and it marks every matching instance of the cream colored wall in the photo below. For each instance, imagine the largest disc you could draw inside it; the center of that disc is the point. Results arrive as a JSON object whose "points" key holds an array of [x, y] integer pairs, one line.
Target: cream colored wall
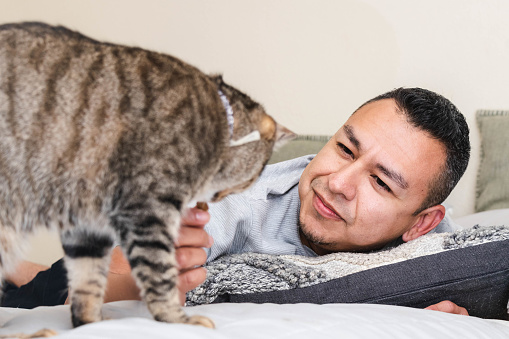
{"points": [[312, 62]]}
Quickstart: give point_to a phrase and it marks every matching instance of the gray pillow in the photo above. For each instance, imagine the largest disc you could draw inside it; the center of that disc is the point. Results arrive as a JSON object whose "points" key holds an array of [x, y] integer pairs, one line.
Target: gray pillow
{"points": [[468, 267], [464, 276], [301, 145], [492, 191]]}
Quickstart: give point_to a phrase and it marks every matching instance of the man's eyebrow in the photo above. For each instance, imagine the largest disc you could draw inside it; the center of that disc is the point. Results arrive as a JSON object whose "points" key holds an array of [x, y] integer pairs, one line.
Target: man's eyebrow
{"points": [[351, 136], [394, 176]]}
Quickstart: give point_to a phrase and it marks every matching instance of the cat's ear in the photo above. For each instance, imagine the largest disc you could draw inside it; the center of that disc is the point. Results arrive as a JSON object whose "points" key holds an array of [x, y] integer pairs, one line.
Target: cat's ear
{"points": [[283, 135], [218, 79], [270, 129]]}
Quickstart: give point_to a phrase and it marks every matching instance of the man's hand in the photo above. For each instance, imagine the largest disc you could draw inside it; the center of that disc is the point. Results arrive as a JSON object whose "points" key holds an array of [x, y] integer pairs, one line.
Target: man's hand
{"points": [[448, 307], [190, 255]]}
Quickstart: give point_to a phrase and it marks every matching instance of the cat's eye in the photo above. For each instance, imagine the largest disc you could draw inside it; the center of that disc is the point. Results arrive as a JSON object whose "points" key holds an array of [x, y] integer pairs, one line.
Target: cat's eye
{"points": [[345, 150], [382, 184]]}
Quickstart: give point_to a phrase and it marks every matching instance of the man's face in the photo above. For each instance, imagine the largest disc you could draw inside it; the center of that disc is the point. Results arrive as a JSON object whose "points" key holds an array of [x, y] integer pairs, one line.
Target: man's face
{"points": [[361, 190]]}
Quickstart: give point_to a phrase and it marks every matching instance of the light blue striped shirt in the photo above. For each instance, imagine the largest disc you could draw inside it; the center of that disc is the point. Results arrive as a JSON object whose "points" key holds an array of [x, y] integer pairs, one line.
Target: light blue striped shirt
{"points": [[264, 219]]}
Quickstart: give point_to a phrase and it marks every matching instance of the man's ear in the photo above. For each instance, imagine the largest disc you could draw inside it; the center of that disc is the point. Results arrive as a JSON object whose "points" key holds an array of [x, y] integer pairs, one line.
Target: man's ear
{"points": [[427, 220]]}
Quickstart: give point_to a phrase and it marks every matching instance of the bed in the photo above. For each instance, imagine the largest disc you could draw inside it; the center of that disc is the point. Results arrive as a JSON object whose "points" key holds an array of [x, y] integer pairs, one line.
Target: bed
{"points": [[130, 319], [301, 311]]}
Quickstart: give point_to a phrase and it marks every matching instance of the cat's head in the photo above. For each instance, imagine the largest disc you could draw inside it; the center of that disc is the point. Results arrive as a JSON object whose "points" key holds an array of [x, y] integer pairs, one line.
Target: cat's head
{"points": [[253, 136]]}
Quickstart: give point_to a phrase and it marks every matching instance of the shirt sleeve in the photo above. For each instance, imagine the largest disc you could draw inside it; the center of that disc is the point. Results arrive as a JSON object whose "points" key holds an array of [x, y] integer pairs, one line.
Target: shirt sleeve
{"points": [[230, 225]]}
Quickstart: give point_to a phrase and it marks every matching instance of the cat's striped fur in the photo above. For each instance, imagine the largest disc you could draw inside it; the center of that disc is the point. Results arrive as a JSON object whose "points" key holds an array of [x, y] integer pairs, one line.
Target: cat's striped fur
{"points": [[106, 142]]}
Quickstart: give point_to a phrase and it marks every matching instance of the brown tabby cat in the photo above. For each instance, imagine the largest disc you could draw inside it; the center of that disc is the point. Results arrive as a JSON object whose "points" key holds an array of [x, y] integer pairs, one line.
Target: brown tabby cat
{"points": [[106, 142]]}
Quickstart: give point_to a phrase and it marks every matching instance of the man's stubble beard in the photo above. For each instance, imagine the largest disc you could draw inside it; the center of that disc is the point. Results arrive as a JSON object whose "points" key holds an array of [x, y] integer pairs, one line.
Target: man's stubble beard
{"points": [[304, 230]]}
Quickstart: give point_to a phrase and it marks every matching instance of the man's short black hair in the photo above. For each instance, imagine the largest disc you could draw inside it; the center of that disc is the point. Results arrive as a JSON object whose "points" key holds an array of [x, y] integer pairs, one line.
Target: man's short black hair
{"points": [[436, 115]]}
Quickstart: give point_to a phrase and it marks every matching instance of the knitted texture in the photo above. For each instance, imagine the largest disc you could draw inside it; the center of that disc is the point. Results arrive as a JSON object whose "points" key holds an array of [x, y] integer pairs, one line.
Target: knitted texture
{"points": [[254, 273]]}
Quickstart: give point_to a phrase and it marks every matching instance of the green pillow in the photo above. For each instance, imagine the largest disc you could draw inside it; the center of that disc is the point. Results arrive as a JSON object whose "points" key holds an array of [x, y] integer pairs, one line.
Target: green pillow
{"points": [[492, 190], [301, 145]]}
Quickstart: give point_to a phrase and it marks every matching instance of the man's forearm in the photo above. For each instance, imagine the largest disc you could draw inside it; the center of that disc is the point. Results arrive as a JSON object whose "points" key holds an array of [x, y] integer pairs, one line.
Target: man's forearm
{"points": [[24, 273]]}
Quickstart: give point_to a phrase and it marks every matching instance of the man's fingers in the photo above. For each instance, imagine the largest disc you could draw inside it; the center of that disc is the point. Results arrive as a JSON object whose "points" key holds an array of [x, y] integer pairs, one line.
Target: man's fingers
{"points": [[189, 280], [191, 232], [448, 307], [191, 236], [189, 257], [195, 217]]}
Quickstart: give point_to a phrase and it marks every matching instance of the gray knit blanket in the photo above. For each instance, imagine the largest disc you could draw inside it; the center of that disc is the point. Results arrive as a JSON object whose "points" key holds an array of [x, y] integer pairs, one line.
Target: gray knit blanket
{"points": [[253, 272]]}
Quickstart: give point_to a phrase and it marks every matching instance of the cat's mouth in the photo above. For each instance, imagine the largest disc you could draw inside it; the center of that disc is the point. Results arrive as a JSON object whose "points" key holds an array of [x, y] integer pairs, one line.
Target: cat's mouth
{"points": [[220, 195], [236, 189]]}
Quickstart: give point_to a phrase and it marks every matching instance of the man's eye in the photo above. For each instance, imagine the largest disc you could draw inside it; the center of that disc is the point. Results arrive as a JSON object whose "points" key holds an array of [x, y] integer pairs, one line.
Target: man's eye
{"points": [[345, 149], [382, 184]]}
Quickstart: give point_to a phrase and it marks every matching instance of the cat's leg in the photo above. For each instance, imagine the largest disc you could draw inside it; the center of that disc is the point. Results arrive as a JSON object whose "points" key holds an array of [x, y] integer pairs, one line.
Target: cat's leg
{"points": [[87, 258], [148, 240]]}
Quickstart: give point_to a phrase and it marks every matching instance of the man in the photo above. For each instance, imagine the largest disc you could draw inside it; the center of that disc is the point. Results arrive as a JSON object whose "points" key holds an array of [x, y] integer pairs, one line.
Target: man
{"points": [[380, 179], [382, 175]]}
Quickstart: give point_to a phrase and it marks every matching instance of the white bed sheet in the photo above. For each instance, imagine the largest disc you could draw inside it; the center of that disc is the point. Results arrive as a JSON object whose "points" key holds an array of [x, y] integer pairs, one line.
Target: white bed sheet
{"points": [[130, 319]]}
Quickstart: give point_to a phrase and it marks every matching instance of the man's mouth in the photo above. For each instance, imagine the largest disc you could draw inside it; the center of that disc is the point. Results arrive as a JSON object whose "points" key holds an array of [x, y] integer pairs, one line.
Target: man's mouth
{"points": [[324, 208]]}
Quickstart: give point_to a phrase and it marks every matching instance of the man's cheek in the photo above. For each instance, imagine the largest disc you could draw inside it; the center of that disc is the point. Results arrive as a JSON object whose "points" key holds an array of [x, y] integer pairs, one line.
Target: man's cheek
{"points": [[376, 217]]}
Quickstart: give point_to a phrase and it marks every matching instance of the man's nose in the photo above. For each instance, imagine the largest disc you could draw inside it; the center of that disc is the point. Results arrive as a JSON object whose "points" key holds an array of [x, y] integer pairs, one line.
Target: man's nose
{"points": [[344, 181]]}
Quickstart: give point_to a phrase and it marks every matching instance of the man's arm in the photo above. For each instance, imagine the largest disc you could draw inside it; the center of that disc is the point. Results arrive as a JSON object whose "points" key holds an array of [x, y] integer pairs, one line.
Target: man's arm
{"points": [[24, 273]]}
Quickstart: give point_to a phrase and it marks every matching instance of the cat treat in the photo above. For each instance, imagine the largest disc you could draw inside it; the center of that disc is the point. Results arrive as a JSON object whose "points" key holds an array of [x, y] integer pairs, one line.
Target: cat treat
{"points": [[202, 206]]}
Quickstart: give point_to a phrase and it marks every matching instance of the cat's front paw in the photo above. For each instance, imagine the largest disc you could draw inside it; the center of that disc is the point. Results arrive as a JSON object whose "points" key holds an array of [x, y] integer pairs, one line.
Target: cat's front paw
{"points": [[201, 320], [181, 318]]}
